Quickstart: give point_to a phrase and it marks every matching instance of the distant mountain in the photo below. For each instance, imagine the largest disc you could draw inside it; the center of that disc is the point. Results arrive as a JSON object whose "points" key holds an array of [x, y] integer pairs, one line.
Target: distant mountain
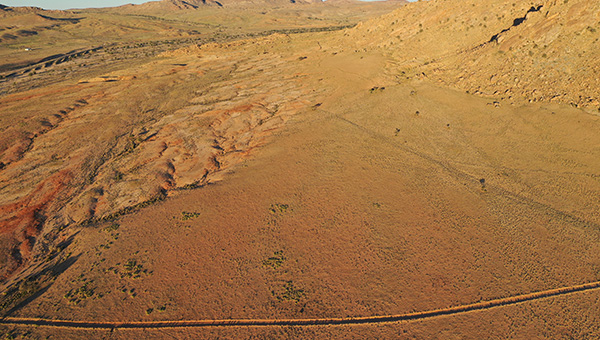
{"points": [[171, 5], [179, 4], [9, 11]]}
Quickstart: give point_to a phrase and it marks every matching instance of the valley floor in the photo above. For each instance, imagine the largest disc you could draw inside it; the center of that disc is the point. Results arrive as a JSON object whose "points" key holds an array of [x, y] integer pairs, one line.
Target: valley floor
{"points": [[303, 181]]}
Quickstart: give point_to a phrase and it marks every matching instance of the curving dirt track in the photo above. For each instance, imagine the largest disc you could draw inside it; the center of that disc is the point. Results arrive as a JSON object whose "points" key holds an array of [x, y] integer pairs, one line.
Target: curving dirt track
{"points": [[302, 322]]}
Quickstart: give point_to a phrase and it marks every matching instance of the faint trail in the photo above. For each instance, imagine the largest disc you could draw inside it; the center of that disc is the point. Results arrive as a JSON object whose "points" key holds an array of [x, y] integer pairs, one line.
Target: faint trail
{"points": [[301, 322], [447, 166]]}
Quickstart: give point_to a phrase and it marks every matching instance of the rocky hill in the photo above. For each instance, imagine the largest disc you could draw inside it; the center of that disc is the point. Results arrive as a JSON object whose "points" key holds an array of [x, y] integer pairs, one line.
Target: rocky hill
{"points": [[170, 5], [532, 50], [5, 10]]}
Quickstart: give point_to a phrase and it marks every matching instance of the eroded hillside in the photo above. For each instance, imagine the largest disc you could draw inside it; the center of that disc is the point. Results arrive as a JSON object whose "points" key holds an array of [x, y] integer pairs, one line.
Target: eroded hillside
{"points": [[59, 171]]}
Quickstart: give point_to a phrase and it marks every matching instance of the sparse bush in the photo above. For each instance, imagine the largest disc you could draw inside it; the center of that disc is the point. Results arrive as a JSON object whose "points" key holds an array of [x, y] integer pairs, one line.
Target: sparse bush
{"points": [[279, 208], [118, 176], [275, 261], [112, 227], [131, 269], [291, 293], [75, 296], [189, 215]]}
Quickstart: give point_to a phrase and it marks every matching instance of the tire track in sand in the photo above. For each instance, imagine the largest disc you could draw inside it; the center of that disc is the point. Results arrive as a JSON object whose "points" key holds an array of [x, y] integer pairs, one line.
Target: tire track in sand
{"points": [[484, 305]]}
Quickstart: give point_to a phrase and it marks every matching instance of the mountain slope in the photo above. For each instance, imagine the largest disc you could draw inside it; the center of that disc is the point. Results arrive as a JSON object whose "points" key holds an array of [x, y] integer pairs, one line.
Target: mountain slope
{"points": [[175, 5], [539, 51], [172, 5]]}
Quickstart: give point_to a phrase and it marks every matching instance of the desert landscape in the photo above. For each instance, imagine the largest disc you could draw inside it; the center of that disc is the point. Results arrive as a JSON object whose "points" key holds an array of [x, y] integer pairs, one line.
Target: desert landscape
{"points": [[271, 169]]}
